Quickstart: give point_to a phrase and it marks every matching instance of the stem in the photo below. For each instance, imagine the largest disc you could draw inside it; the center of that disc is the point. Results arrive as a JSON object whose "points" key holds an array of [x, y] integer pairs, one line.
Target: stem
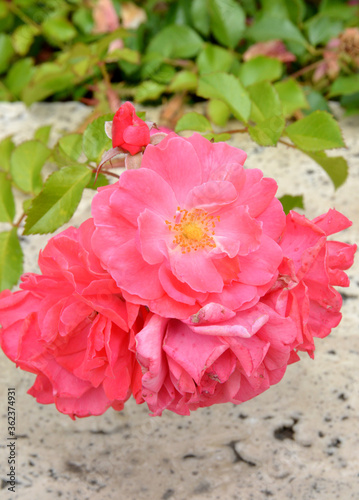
{"points": [[287, 144], [302, 71], [17, 224], [236, 131]]}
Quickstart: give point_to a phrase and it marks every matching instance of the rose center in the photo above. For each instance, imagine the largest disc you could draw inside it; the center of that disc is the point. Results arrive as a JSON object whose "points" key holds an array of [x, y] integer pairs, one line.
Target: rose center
{"points": [[193, 230]]}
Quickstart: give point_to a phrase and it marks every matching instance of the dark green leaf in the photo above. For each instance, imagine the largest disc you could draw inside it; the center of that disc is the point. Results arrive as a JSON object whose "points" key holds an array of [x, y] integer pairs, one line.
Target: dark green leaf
{"points": [[95, 141], [58, 200], [228, 89], [291, 96], [176, 42], [213, 58], [335, 166], [26, 163], [7, 204], [321, 29], [48, 79], [200, 16], [11, 258], [259, 69], [316, 102], [316, 132], [345, 85], [272, 28], [193, 121], [227, 21], [289, 202]]}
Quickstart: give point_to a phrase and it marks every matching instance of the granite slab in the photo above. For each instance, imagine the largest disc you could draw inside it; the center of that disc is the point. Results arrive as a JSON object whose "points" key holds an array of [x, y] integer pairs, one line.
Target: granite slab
{"points": [[299, 440]]}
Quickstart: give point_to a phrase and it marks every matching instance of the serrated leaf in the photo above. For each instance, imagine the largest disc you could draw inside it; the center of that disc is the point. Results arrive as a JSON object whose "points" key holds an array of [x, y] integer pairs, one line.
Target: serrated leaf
{"points": [[335, 166], [26, 163], [316, 132], [289, 202], [6, 148], [11, 258], [71, 146], [291, 96], [42, 134], [259, 69], [274, 28], [23, 37], [58, 200], [322, 28], [176, 41], [265, 101], [193, 121], [213, 58], [183, 80], [95, 141], [7, 204], [227, 21], [268, 131], [345, 85], [228, 89]]}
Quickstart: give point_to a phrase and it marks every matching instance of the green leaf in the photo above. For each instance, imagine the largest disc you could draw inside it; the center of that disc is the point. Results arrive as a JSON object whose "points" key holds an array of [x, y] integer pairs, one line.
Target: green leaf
{"points": [[95, 141], [193, 121], [316, 132], [227, 21], [316, 102], [218, 112], [23, 37], [217, 137], [228, 89], [6, 52], [213, 58], [7, 204], [291, 96], [58, 200], [268, 131], [176, 41], [96, 183], [42, 134], [289, 202], [19, 75], [274, 28], [125, 54], [82, 19], [149, 91], [183, 80], [48, 79], [26, 163], [200, 16], [265, 101], [321, 29], [58, 30], [259, 69], [335, 166], [345, 85], [6, 148], [11, 258], [296, 10], [71, 146]]}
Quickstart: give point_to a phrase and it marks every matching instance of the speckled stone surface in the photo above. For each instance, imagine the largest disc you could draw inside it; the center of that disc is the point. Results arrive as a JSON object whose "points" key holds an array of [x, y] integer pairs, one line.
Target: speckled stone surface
{"points": [[299, 440]]}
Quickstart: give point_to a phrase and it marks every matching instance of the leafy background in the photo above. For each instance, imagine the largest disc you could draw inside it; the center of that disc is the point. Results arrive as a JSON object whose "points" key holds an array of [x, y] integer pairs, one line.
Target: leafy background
{"points": [[272, 65]]}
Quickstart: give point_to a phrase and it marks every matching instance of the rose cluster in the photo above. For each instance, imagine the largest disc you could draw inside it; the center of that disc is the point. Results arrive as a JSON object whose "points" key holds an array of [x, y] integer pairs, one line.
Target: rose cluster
{"points": [[188, 287]]}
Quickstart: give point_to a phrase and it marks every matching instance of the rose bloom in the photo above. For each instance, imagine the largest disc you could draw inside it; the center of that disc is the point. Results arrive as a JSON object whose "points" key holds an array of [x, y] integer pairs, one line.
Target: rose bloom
{"points": [[71, 327], [216, 356], [311, 266], [190, 227], [129, 132]]}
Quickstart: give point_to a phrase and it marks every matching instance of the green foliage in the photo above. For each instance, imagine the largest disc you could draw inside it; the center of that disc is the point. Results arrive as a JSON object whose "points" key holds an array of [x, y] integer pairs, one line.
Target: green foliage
{"points": [[95, 141], [193, 121], [289, 202], [227, 21], [291, 96], [11, 258], [26, 163], [259, 69]]}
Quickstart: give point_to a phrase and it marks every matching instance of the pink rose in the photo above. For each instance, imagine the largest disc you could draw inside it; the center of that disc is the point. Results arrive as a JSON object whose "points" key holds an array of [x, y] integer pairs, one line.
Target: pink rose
{"points": [[71, 327], [191, 226], [311, 266], [216, 356], [129, 132]]}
